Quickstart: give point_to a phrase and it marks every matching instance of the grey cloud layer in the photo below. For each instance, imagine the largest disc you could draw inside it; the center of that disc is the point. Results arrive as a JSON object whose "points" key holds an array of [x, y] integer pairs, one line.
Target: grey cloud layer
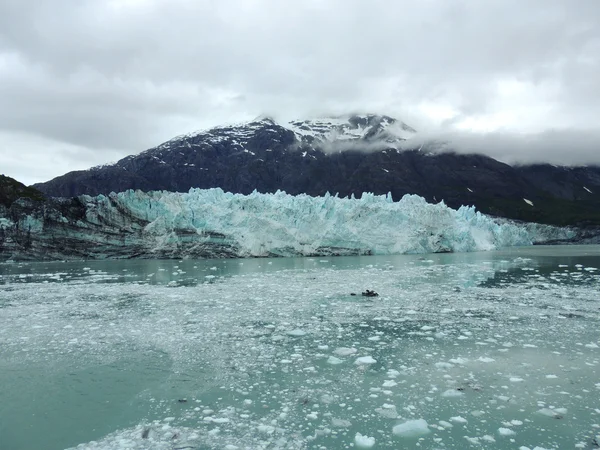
{"points": [[120, 76]]}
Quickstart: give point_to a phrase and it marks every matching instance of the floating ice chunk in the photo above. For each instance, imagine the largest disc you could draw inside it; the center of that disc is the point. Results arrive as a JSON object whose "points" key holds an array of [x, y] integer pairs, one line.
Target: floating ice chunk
{"points": [[266, 429], [363, 360], [529, 202], [550, 377], [452, 393], [485, 359], [443, 365], [555, 413], [458, 419], [445, 424], [392, 373], [515, 379], [412, 428], [333, 360], [389, 383], [296, 333], [488, 438], [388, 411], [459, 361], [362, 441], [341, 423], [506, 432], [344, 351], [221, 420], [534, 448]]}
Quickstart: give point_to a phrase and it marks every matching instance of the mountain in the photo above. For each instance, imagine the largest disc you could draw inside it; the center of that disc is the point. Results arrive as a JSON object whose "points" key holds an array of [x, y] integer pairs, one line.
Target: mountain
{"points": [[346, 155]]}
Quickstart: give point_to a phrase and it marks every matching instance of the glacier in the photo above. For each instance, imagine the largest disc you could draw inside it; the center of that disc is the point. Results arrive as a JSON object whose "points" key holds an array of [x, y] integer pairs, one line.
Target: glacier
{"points": [[212, 223]]}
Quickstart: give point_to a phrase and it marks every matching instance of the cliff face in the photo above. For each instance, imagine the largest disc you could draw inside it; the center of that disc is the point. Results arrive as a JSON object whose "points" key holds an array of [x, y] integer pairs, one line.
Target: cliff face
{"points": [[348, 156], [85, 228]]}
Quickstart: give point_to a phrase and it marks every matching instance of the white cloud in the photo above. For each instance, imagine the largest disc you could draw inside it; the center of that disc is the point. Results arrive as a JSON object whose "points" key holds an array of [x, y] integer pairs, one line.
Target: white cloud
{"points": [[116, 77]]}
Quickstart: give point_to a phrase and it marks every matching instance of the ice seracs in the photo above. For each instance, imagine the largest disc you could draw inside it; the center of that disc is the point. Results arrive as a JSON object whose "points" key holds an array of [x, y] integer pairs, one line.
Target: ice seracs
{"points": [[214, 223], [281, 224]]}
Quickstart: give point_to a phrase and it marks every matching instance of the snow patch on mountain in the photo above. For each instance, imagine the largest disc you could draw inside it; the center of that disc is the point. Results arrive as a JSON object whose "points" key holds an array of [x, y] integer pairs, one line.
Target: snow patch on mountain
{"points": [[342, 129]]}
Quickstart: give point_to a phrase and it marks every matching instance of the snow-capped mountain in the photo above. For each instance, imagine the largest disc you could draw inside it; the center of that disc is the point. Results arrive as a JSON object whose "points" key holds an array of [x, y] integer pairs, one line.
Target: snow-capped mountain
{"points": [[359, 128], [347, 155]]}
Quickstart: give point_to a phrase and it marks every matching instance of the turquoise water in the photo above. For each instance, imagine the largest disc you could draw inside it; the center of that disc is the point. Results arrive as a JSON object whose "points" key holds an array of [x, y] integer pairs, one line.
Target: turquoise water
{"points": [[495, 350]]}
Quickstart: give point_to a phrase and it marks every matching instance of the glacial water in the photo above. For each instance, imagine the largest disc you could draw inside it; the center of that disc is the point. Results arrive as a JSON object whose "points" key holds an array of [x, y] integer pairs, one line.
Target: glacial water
{"points": [[493, 350]]}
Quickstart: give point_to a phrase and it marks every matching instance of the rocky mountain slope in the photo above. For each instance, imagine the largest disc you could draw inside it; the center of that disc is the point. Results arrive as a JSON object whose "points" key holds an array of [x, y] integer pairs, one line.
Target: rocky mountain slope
{"points": [[348, 155], [12, 190]]}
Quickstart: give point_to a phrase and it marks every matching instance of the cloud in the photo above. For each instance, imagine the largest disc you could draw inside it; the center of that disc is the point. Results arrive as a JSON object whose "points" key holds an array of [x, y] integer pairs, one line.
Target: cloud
{"points": [[559, 147], [115, 77]]}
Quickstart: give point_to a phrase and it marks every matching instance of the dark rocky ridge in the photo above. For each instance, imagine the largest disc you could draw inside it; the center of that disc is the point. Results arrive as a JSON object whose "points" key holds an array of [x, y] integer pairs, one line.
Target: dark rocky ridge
{"points": [[12, 190], [362, 155]]}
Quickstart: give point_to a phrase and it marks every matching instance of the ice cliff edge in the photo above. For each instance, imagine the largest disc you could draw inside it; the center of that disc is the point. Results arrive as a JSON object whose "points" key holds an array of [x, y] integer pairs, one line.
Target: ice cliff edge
{"points": [[212, 223]]}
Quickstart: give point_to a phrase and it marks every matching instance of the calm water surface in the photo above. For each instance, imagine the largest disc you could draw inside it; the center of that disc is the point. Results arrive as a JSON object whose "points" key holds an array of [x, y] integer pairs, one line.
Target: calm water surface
{"points": [[495, 350]]}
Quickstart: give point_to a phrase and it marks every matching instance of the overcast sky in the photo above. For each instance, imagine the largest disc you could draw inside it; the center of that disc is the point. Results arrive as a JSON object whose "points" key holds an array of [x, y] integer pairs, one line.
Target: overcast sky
{"points": [[84, 82]]}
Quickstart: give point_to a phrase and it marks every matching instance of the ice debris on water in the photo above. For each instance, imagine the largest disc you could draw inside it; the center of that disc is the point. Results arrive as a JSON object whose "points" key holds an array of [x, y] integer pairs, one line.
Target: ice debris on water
{"points": [[281, 391], [412, 428], [361, 441], [364, 360]]}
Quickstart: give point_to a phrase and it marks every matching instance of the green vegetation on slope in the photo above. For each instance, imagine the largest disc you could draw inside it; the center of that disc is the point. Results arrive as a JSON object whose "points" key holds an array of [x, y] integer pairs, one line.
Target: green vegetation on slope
{"points": [[11, 190]]}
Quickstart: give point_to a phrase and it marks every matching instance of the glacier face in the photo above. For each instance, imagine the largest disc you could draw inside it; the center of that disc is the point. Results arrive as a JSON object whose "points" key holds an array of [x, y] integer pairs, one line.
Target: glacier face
{"points": [[213, 223]]}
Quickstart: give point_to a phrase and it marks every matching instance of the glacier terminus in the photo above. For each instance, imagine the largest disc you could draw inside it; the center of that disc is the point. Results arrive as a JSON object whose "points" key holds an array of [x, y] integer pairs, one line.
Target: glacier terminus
{"points": [[212, 223]]}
